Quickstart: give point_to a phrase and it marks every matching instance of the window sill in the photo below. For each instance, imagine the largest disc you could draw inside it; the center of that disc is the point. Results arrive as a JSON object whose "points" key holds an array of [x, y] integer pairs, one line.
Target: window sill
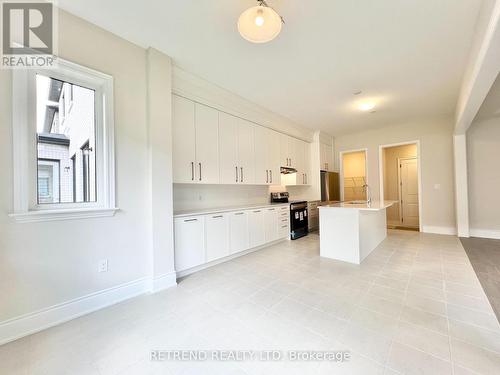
{"points": [[62, 214]]}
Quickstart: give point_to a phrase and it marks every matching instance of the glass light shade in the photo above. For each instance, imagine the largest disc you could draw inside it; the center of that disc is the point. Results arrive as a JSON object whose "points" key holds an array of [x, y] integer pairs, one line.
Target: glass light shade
{"points": [[259, 24]]}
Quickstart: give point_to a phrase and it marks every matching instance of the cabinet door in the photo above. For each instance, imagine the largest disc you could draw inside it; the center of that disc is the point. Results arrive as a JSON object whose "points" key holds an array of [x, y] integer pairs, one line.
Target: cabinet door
{"points": [[262, 174], [246, 152], [307, 163], [217, 236], [256, 228], [183, 140], [273, 157], [207, 144], [284, 151], [271, 224], [228, 149], [189, 242], [238, 231], [299, 161]]}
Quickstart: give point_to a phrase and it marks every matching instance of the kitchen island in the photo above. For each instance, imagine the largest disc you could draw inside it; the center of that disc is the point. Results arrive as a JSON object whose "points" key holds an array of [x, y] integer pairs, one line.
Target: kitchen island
{"points": [[350, 231]]}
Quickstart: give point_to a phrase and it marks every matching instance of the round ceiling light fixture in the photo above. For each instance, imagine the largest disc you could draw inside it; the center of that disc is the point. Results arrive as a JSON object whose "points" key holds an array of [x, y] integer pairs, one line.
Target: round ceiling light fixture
{"points": [[366, 106], [260, 24]]}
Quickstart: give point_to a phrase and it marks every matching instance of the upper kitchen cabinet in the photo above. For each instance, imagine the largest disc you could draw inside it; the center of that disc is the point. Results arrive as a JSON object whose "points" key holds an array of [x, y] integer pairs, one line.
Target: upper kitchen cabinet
{"points": [[302, 153], [195, 142], [267, 156], [287, 151], [326, 157], [236, 150]]}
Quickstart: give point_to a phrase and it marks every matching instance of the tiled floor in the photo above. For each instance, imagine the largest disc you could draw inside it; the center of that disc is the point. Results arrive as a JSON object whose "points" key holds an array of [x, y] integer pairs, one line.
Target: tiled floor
{"points": [[484, 254], [414, 306]]}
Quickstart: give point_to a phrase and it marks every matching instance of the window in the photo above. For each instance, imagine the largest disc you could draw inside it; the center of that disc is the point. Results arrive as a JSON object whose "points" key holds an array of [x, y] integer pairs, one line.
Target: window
{"points": [[69, 171]]}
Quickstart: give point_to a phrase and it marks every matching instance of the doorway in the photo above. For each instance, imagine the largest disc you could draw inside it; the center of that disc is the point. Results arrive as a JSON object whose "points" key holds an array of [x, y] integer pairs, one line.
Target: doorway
{"points": [[353, 175], [400, 182]]}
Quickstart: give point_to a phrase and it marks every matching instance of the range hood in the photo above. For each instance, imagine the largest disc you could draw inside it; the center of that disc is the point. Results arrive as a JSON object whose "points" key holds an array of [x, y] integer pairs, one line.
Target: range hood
{"points": [[288, 170]]}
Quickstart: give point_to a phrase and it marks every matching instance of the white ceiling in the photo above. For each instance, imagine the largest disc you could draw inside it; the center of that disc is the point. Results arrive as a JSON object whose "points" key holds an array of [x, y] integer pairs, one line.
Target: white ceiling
{"points": [[407, 55]]}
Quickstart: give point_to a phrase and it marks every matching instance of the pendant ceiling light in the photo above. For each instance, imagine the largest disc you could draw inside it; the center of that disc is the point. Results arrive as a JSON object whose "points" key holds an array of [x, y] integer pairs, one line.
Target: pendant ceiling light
{"points": [[260, 24]]}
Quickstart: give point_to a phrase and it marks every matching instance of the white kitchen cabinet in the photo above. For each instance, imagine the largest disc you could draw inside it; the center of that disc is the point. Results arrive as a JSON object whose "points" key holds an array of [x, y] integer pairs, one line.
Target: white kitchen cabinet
{"points": [[236, 150], [189, 242], [228, 149], [238, 231], [207, 141], [216, 236], [271, 218], [326, 157], [267, 156], [246, 151], [288, 151], [184, 140], [256, 228], [195, 142]]}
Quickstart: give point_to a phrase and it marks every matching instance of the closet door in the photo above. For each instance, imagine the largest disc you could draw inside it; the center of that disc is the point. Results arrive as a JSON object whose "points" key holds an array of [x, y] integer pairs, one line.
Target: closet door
{"points": [[228, 149], [184, 140], [246, 152], [207, 144]]}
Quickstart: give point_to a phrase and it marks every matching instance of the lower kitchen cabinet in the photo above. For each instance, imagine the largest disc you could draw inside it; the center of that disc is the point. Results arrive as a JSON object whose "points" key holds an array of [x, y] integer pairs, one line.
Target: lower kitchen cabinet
{"points": [[238, 231], [189, 242], [256, 227], [204, 238], [216, 236], [271, 224]]}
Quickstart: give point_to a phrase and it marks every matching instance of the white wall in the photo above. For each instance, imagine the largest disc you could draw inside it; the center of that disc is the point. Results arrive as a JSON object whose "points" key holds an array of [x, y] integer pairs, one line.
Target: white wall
{"points": [[483, 164], [436, 151], [49, 263]]}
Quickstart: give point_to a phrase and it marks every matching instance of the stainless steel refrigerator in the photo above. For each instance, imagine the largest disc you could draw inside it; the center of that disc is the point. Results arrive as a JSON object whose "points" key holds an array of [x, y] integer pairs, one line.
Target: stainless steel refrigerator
{"points": [[330, 186]]}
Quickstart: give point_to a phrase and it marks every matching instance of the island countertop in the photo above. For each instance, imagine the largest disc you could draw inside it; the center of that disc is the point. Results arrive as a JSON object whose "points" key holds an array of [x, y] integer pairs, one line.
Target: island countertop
{"points": [[373, 206]]}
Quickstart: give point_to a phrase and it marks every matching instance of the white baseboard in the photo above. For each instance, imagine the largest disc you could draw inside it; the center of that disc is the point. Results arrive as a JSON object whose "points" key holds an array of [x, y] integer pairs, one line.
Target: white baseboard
{"points": [[165, 281], [440, 230], [28, 324], [485, 233]]}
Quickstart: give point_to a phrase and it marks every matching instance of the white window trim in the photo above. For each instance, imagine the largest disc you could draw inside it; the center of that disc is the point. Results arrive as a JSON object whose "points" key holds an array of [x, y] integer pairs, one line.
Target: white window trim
{"points": [[25, 205]]}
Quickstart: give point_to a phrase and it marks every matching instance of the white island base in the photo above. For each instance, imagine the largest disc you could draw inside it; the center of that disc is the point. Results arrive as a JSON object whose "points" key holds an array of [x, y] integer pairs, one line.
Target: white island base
{"points": [[350, 232]]}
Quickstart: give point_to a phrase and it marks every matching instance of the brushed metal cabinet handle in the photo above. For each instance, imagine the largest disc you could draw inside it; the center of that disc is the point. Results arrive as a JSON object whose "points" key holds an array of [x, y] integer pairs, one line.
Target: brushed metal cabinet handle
{"points": [[257, 211], [200, 171], [267, 176], [239, 213], [241, 177], [271, 174], [236, 174], [190, 220], [217, 217], [192, 171]]}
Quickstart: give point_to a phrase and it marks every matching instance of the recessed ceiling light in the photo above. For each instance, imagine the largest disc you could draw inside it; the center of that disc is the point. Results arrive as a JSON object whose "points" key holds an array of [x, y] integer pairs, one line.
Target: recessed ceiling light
{"points": [[366, 106]]}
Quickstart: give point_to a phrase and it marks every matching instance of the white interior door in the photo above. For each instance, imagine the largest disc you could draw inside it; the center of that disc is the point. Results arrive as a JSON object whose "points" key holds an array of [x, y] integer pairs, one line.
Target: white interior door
{"points": [[184, 139], [408, 174], [207, 144]]}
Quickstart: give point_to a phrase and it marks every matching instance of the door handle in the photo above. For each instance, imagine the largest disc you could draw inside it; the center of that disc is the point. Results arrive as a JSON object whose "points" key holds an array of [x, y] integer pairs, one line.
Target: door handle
{"points": [[241, 177], [267, 176], [200, 170], [192, 171], [236, 174]]}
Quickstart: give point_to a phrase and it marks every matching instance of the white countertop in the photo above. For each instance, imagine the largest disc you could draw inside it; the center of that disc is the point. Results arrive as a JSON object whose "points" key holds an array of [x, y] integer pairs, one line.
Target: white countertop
{"points": [[373, 206], [204, 211]]}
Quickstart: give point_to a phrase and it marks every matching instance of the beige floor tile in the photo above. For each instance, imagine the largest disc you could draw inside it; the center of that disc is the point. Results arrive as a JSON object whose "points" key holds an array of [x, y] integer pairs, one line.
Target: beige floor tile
{"points": [[481, 319], [423, 339], [412, 361], [474, 335], [425, 319], [474, 358]]}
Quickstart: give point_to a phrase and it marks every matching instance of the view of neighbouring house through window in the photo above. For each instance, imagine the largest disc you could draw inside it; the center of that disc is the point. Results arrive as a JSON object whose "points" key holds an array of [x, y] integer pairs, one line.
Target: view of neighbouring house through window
{"points": [[65, 142]]}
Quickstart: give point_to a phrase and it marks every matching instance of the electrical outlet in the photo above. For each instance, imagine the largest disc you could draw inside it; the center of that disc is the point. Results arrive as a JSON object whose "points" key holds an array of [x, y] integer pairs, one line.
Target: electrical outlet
{"points": [[103, 265]]}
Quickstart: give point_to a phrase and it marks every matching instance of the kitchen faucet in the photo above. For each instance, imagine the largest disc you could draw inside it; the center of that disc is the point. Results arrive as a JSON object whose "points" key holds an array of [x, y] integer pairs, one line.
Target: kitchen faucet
{"points": [[368, 193]]}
